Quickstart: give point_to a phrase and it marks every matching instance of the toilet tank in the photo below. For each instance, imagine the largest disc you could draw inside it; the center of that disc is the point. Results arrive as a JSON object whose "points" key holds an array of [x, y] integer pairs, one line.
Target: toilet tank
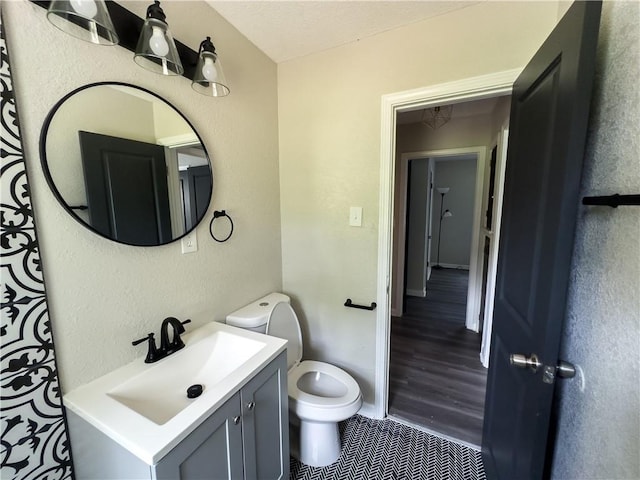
{"points": [[254, 316]]}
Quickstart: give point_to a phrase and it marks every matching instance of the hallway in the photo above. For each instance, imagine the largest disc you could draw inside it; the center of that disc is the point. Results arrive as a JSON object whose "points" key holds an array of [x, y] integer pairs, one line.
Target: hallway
{"points": [[436, 379]]}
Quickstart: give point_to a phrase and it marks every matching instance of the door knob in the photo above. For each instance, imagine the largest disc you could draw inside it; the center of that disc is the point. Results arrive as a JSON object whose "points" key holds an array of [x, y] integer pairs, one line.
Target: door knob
{"points": [[250, 405], [550, 372], [522, 361], [236, 420]]}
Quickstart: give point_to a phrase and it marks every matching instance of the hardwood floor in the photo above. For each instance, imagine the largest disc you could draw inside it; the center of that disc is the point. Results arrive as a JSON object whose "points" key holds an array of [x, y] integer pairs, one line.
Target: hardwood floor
{"points": [[436, 379]]}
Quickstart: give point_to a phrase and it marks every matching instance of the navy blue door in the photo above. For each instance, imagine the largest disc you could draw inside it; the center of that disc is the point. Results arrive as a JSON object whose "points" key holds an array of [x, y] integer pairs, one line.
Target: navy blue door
{"points": [[547, 132]]}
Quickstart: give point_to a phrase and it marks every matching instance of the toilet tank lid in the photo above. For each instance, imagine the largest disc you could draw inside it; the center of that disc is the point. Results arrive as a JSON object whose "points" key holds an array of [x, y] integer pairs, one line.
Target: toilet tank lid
{"points": [[257, 312]]}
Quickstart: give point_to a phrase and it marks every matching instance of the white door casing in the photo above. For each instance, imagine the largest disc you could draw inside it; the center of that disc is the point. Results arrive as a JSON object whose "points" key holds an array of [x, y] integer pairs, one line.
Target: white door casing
{"points": [[494, 235]]}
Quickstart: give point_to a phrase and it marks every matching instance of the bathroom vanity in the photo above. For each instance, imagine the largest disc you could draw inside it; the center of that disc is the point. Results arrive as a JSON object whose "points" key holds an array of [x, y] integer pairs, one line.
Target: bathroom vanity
{"points": [[237, 428]]}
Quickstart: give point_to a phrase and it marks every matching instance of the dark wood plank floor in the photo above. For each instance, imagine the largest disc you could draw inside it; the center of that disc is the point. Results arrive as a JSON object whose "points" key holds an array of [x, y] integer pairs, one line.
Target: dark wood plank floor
{"points": [[436, 379]]}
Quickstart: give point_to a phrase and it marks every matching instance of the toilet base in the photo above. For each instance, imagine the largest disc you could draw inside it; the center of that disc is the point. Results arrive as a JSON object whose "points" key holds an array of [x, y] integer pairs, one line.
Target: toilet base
{"points": [[319, 443]]}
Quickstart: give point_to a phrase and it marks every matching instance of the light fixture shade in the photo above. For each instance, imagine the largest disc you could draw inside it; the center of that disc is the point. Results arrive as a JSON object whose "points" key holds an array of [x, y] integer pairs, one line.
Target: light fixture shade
{"points": [[87, 20], [443, 190], [436, 117], [156, 50], [209, 78]]}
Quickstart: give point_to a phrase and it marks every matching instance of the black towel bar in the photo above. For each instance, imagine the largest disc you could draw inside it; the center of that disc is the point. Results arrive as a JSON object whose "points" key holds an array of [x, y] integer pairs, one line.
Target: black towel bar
{"points": [[350, 304], [612, 200]]}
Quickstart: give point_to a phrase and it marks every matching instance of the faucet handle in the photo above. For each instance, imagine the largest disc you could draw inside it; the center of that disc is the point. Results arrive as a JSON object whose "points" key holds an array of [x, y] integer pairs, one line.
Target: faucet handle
{"points": [[140, 340], [152, 352]]}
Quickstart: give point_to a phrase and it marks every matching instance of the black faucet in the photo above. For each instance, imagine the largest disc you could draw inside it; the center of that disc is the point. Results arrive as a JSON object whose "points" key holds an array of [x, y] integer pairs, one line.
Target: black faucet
{"points": [[166, 347]]}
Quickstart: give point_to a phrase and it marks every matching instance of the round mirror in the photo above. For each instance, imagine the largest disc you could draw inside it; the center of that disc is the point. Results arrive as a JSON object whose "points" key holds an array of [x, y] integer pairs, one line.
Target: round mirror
{"points": [[126, 164]]}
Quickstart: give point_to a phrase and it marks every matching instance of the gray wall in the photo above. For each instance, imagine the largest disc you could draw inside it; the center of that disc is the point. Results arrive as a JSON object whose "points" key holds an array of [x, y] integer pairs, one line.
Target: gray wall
{"points": [[460, 176], [599, 427]]}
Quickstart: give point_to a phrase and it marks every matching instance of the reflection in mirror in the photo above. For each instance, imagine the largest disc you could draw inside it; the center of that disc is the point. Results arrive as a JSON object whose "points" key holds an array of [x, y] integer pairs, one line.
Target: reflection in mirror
{"points": [[126, 164]]}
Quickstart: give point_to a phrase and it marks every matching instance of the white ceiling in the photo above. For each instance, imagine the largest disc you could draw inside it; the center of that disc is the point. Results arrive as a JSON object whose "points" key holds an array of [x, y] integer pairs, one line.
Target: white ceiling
{"points": [[287, 29]]}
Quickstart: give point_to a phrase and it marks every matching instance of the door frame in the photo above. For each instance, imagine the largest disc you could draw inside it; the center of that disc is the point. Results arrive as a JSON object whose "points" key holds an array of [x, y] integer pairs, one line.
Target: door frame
{"points": [[475, 88], [472, 321], [501, 143]]}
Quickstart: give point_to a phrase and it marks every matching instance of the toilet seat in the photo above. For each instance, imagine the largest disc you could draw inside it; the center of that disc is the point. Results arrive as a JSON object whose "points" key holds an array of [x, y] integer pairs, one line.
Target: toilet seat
{"points": [[351, 395]]}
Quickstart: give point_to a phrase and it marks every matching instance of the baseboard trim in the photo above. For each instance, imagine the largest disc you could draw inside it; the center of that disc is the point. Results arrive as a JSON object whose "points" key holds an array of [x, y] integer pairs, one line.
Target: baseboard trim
{"points": [[369, 411], [454, 265]]}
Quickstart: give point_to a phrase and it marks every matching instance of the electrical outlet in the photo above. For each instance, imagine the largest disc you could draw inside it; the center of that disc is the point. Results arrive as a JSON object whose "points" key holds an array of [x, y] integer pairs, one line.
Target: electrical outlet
{"points": [[355, 216], [190, 243]]}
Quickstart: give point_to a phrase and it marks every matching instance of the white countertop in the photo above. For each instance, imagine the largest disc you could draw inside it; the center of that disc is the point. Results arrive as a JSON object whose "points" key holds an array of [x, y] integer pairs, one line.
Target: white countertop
{"points": [[139, 435]]}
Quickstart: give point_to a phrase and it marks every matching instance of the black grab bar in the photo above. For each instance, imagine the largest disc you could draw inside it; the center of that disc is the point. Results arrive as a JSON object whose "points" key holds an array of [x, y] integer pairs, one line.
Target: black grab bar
{"points": [[612, 200], [350, 304]]}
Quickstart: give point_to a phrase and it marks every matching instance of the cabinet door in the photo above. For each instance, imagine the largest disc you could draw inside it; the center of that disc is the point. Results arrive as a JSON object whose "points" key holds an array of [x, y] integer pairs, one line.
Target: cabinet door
{"points": [[265, 423], [212, 451]]}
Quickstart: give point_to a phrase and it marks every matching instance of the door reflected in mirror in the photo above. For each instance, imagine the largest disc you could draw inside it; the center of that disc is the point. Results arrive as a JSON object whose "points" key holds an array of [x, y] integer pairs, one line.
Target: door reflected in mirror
{"points": [[126, 164]]}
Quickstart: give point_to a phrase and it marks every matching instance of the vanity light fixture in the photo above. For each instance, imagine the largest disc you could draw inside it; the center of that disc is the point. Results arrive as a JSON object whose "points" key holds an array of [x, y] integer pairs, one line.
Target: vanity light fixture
{"points": [[208, 78], [156, 50], [107, 23], [88, 20]]}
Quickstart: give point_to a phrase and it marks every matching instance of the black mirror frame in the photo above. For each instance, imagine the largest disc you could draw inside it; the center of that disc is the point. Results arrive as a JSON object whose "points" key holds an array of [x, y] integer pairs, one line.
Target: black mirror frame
{"points": [[54, 188]]}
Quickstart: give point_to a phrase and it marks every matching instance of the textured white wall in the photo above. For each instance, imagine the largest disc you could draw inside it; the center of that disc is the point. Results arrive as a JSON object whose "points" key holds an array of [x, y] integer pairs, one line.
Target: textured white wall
{"points": [[599, 428], [329, 117], [102, 295]]}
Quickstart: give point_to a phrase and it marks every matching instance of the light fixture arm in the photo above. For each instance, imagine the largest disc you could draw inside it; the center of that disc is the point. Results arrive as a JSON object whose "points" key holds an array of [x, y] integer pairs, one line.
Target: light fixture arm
{"points": [[155, 11], [207, 46]]}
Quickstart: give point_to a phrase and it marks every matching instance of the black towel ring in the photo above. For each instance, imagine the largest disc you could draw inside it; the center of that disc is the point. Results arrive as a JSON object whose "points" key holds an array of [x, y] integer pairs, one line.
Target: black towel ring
{"points": [[217, 214]]}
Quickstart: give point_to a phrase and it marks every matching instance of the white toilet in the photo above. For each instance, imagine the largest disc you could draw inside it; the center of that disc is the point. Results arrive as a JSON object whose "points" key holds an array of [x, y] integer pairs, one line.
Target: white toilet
{"points": [[320, 394]]}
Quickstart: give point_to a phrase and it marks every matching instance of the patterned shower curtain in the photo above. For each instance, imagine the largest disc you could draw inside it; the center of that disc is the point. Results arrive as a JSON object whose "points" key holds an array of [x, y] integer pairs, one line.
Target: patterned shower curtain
{"points": [[33, 442]]}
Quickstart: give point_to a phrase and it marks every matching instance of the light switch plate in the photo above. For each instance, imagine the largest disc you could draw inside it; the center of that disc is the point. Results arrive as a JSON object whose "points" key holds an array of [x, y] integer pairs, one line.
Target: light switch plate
{"points": [[355, 216], [190, 243]]}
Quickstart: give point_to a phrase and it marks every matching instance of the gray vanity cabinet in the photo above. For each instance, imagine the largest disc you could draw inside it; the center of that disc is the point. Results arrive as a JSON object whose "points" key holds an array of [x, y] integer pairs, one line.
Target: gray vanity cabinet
{"points": [[212, 451], [265, 423], [246, 438]]}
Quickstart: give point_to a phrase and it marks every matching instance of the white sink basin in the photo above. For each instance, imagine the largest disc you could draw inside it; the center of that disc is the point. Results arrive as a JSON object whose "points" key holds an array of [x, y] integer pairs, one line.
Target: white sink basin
{"points": [[145, 408], [161, 392]]}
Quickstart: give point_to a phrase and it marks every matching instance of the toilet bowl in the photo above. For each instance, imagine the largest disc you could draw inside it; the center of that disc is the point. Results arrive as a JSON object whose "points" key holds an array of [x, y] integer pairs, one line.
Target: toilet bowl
{"points": [[320, 394]]}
